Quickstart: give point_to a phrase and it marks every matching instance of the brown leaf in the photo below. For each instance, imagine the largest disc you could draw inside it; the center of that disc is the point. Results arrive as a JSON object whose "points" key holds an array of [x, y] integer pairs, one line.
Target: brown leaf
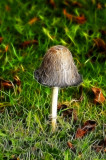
{"points": [[87, 127], [27, 43], [77, 4], [99, 98], [52, 2], [103, 32], [7, 8], [1, 39], [99, 6], [5, 84], [68, 112], [101, 147], [79, 19], [6, 48], [66, 3], [69, 16], [80, 133], [100, 44], [70, 145], [33, 20], [17, 81]]}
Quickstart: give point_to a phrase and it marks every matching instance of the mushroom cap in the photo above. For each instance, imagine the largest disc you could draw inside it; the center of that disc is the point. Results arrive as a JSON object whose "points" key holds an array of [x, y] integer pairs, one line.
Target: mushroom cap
{"points": [[58, 69]]}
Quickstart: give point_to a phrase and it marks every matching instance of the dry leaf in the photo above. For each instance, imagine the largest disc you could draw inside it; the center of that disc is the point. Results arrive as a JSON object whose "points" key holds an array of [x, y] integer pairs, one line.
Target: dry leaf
{"points": [[103, 32], [99, 98], [100, 44], [68, 112], [1, 39], [77, 4], [7, 8], [66, 3], [80, 133], [70, 145], [33, 20], [27, 43], [52, 3], [87, 127], [6, 48], [79, 19], [101, 147], [69, 16], [99, 6], [5, 84]]}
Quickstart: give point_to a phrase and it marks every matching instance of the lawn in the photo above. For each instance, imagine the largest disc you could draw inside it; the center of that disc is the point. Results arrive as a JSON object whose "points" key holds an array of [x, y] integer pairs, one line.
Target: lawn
{"points": [[27, 30]]}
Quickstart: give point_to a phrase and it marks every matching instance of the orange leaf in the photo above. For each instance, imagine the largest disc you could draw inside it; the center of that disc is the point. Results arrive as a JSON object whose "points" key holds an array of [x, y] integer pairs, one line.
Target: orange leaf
{"points": [[69, 16], [79, 19], [33, 20], [52, 3], [80, 133], [99, 6], [5, 84], [99, 98], [1, 39], [87, 127], [7, 8], [27, 43], [6, 48], [70, 145]]}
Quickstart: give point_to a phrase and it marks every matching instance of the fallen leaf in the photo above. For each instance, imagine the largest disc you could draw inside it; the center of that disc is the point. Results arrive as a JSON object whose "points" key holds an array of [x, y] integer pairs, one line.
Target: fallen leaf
{"points": [[27, 43], [69, 16], [17, 81], [99, 98], [1, 39], [33, 20], [52, 2], [80, 133], [77, 4], [87, 127], [103, 32], [68, 112], [6, 48], [100, 44], [7, 8], [5, 84], [66, 3], [99, 6], [79, 19], [101, 147], [70, 145]]}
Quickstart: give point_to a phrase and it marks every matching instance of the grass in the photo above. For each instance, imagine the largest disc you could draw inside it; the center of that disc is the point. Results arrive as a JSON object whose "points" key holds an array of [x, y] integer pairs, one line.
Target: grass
{"points": [[24, 117]]}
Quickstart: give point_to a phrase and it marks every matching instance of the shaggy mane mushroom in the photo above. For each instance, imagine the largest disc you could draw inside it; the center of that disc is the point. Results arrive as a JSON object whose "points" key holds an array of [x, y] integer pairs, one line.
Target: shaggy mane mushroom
{"points": [[57, 71]]}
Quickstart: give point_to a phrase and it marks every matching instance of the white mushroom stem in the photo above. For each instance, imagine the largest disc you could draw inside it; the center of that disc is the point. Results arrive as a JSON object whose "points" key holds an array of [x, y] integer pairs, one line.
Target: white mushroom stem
{"points": [[54, 107]]}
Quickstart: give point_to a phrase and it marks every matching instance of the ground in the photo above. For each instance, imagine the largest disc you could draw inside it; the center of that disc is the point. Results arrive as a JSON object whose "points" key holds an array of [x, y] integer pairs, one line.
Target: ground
{"points": [[27, 30]]}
